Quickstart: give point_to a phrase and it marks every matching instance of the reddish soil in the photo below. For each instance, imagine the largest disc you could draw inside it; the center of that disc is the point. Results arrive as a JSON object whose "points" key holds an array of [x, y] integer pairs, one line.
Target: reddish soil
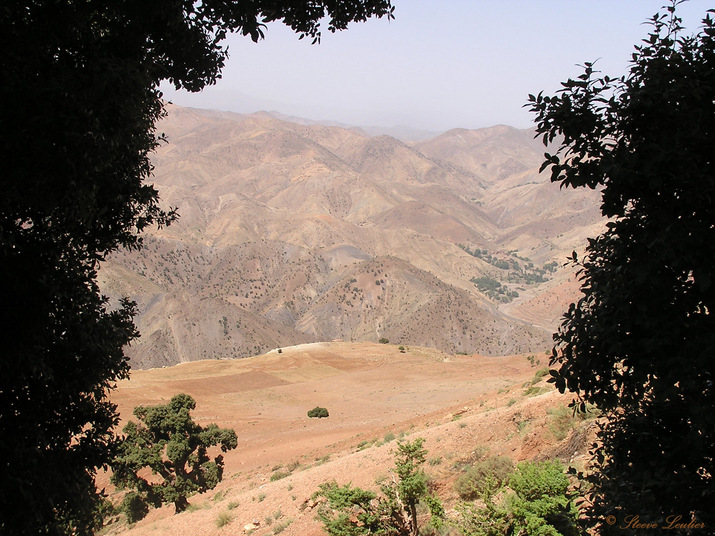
{"points": [[457, 403]]}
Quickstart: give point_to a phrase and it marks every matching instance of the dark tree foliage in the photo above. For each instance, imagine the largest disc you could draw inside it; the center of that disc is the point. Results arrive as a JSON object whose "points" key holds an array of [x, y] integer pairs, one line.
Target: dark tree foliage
{"points": [[639, 343], [175, 448], [79, 104]]}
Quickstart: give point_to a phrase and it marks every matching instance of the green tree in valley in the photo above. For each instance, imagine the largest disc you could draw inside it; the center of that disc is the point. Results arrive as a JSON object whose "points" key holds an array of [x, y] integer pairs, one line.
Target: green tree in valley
{"points": [[353, 511], [174, 447], [80, 102], [318, 412], [639, 343]]}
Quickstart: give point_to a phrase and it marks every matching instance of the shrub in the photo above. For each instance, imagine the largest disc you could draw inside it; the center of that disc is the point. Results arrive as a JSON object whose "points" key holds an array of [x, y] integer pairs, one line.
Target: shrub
{"points": [[282, 526], [536, 503], [223, 519], [318, 412], [541, 373], [358, 512], [279, 475], [383, 340], [134, 507], [563, 419], [484, 475]]}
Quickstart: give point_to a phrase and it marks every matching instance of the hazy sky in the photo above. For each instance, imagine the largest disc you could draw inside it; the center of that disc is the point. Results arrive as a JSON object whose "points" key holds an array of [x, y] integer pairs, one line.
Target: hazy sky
{"points": [[440, 64]]}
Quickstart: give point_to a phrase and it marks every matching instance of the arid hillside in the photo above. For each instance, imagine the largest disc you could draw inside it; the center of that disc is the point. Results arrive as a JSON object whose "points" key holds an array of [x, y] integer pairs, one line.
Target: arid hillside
{"points": [[292, 233], [461, 405]]}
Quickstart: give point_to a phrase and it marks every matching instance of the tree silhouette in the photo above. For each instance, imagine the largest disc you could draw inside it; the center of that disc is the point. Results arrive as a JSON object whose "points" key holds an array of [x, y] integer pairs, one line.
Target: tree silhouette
{"points": [[80, 103], [639, 342]]}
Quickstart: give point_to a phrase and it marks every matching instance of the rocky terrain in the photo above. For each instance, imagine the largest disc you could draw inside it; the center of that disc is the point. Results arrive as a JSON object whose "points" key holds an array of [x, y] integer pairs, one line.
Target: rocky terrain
{"points": [[293, 232]]}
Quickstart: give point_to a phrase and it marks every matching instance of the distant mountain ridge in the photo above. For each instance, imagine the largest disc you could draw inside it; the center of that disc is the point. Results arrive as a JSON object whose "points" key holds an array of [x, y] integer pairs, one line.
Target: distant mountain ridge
{"points": [[293, 233]]}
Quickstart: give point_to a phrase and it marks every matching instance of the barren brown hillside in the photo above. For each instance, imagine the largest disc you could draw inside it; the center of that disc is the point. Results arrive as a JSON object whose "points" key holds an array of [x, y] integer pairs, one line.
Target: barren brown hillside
{"points": [[373, 392], [292, 232]]}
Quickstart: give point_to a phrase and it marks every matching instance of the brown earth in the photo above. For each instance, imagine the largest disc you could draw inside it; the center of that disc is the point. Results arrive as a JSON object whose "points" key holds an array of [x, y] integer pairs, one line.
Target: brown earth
{"points": [[457, 403], [292, 233]]}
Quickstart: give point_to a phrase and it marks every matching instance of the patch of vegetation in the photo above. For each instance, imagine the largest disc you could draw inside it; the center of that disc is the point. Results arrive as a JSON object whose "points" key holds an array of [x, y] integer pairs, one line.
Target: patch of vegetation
{"points": [[532, 389], [359, 512], [563, 419], [367, 443], [322, 460], [133, 507], [523, 272], [318, 412], [292, 466], [223, 519], [534, 500], [282, 526], [278, 475], [383, 340], [541, 373], [533, 360], [489, 473], [494, 289], [535, 390], [521, 421]]}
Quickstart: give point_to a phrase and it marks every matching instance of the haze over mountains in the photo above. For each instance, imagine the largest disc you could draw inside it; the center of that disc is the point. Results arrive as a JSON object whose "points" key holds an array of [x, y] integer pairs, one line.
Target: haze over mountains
{"points": [[293, 232]]}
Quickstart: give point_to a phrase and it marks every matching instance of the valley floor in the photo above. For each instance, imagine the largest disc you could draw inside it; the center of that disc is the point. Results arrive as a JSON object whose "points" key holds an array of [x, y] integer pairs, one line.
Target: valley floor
{"points": [[374, 393]]}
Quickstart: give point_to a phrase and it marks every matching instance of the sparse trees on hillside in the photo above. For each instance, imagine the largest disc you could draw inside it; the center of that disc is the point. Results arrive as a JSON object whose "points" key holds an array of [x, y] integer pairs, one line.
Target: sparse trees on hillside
{"points": [[174, 447], [80, 103], [639, 343]]}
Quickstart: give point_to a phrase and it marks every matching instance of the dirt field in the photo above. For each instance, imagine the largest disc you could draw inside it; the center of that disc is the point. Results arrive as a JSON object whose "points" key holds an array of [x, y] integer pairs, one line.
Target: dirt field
{"points": [[371, 390]]}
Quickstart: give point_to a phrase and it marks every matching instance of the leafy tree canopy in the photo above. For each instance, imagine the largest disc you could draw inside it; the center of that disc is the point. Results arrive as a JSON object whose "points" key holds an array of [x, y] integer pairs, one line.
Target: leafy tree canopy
{"points": [[174, 447], [77, 124], [639, 342]]}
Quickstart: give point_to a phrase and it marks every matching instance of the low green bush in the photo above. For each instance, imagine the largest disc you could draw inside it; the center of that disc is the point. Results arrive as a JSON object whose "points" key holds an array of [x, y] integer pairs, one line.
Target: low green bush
{"points": [[491, 472], [278, 475], [533, 501], [318, 412]]}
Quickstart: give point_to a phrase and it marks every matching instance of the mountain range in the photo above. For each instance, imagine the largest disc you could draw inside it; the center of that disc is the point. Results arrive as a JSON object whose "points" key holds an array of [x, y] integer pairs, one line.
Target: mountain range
{"points": [[292, 232]]}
